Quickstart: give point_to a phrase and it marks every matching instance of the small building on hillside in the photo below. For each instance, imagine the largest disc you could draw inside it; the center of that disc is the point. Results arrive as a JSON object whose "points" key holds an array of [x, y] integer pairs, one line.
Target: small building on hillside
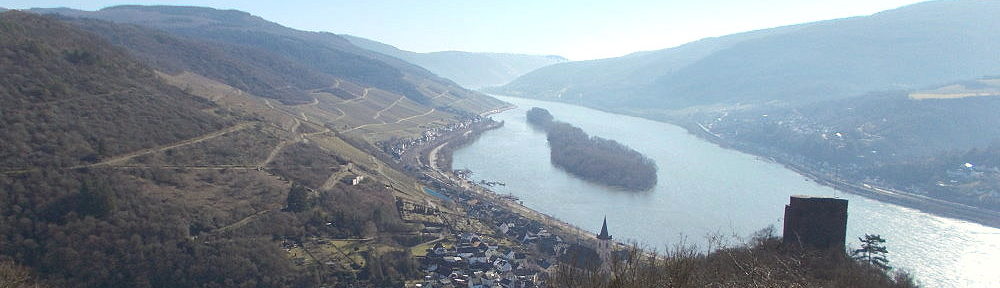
{"points": [[357, 180]]}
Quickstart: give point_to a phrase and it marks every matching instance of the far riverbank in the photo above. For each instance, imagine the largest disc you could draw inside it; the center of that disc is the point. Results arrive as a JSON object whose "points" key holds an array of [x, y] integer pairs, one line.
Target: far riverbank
{"points": [[930, 205], [905, 199]]}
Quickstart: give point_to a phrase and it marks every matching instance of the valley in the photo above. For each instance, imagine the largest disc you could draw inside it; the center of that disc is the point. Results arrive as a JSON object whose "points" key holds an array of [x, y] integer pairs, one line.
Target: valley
{"points": [[184, 146]]}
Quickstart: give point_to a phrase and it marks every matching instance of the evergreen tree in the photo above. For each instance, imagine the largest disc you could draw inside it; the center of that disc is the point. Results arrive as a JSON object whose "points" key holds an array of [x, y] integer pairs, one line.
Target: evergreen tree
{"points": [[872, 251], [298, 198], [96, 199]]}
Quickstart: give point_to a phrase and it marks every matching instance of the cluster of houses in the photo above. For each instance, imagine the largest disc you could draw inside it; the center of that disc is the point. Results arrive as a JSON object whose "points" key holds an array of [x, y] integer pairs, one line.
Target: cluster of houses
{"points": [[479, 261], [398, 147], [476, 261], [968, 172]]}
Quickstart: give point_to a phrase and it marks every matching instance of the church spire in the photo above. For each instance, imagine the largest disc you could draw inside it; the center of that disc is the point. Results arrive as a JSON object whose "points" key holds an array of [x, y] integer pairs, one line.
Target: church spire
{"points": [[604, 230]]}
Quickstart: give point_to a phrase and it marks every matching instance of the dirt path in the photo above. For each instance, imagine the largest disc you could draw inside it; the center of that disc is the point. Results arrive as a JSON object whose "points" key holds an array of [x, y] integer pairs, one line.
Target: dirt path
{"points": [[240, 223], [379, 113], [415, 116], [364, 95], [439, 95], [397, 121], [334, 178], [202, 138], [187, 167], [281, 145], [362, 126]]}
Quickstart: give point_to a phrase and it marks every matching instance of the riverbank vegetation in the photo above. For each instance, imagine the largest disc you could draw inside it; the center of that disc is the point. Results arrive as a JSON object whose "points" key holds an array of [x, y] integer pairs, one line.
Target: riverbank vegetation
{"points": [[594, 158]]}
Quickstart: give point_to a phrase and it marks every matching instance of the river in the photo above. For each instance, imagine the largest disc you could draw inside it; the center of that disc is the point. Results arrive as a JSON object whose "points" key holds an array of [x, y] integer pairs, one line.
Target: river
{"points": [[706, 190]]}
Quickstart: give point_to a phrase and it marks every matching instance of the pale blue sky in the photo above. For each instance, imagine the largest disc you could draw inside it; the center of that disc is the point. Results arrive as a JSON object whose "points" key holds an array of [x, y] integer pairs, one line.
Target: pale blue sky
{"points": [[576, 29]]}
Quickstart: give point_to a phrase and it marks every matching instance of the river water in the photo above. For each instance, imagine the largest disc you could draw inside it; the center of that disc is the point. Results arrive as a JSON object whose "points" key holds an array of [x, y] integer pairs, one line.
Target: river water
{"points": [[706, 190]]}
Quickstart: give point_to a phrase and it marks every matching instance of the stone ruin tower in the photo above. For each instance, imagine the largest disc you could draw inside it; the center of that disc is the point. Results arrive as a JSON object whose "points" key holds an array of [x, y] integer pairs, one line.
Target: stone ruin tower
{"points": [[816, 222]]}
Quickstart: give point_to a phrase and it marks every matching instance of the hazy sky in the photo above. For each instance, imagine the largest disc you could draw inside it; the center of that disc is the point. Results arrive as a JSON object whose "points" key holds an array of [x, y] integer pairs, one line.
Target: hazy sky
{"points": [[576, 29]]}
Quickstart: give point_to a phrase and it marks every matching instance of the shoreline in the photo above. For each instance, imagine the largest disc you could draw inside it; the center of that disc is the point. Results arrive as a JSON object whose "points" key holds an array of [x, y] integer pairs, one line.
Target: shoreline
{"points": [[922, 203], [555, 225], [936, 207]]}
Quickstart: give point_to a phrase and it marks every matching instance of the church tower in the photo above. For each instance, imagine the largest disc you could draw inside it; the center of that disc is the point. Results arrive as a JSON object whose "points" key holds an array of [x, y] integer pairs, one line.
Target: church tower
{"points": [[604, 244]]}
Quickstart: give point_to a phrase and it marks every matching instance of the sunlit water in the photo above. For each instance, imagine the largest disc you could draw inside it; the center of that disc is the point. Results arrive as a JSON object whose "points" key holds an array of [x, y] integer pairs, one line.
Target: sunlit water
{"points": [[704, 189]]}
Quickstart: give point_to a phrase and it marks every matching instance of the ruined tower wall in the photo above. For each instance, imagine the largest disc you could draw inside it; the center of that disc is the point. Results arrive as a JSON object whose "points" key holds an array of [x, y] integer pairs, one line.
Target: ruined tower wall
{"points": [[816, 222]]}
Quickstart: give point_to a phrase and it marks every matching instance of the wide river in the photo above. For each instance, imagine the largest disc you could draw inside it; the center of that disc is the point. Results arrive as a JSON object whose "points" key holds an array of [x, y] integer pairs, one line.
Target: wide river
{"points": [[705, 190]]}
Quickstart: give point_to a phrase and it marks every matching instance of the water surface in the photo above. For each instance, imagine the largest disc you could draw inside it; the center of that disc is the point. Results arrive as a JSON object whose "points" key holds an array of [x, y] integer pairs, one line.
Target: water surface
{"points": [[704, 190]]}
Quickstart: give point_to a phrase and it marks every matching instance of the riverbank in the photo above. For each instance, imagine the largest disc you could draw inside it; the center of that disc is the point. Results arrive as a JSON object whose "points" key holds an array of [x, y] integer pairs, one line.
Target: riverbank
{"points": [[923, 203], [440, 154], [926, 204]]}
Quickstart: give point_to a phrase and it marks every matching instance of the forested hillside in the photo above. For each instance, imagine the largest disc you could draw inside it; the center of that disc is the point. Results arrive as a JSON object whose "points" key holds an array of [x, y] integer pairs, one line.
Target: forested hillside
{"points": [[267, 75], [71, 99]]}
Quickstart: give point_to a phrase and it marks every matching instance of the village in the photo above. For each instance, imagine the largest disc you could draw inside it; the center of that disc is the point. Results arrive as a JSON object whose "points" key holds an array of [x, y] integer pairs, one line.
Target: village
{"points": [[490, 240], [397, 148]]}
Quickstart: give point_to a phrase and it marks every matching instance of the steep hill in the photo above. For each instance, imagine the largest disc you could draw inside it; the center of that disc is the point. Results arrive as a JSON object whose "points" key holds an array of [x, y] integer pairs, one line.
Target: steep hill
{"points": [[472, 70], [295, 67], [121, 167], [267, 75], [323, 52], [910, 47], [71, 99]]}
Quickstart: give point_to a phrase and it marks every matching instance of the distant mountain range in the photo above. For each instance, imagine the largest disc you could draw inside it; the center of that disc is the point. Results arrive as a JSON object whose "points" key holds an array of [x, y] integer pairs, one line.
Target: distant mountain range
{"points": [[469, 69], [906, 48]]}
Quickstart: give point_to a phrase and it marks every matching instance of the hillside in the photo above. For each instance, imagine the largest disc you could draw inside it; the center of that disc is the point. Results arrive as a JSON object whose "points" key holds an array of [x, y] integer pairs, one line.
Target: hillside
{"points": [[268, 75], [910, 47], [323, 52], [74, 92], [469, 69], [306, 69], [120, 172], [76, 105], [608, 83], [917, 142]]}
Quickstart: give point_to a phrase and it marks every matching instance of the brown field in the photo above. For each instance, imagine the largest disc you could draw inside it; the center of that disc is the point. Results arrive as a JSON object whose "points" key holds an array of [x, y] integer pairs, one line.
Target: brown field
{"points": [[957, 91]]}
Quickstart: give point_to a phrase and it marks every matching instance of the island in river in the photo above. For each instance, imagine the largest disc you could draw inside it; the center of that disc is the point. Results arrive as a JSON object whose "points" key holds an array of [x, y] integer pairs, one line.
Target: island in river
{"points": [[594, 159]]}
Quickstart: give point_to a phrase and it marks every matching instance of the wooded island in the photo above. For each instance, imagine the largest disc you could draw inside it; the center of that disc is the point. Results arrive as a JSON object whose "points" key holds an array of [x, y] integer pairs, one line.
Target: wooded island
{"points": [[595, 159]]}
